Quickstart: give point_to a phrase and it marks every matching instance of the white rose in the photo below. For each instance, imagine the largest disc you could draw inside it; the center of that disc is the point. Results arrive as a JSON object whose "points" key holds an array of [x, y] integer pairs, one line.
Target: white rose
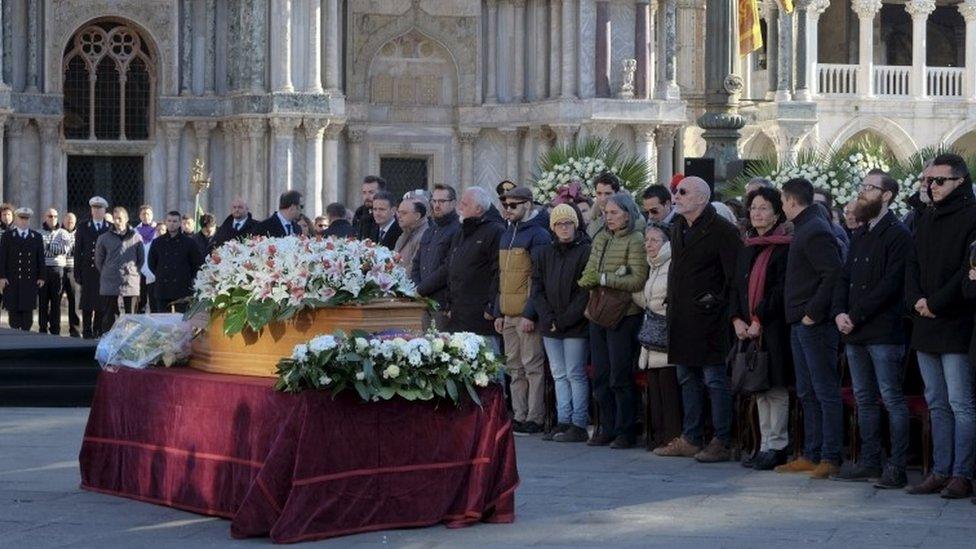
{"points": [[391, 371], [322, 343], [481, 379], [299, 353], [325, 380], [437, 344], [360, 376]]}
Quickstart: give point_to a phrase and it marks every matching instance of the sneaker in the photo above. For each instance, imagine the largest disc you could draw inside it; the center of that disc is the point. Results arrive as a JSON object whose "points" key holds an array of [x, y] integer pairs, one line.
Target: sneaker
{"points": [[855, 472], [622, 442], [573, 434], [716, 451], [679, 447], [958, 488], [799, 465], [559, 428], [933, 484], [599, 440], [824, 470], [892, 478], [531, 428]]}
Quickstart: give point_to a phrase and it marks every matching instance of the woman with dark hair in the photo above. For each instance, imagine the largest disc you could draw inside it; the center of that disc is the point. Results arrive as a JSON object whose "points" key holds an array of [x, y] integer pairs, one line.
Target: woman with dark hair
{"points": [[758, 316]]}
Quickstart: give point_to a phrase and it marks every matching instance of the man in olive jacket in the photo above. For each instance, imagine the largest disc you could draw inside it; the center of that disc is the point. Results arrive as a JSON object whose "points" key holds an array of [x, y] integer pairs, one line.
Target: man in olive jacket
{"points": [[704, 247]]}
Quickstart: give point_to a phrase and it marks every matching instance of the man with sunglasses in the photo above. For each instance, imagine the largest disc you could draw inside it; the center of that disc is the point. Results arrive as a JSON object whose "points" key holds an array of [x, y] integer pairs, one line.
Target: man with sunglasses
{"points": [[526, 234], [282, 223], [56, 244], [656, 200], [942, 323]]}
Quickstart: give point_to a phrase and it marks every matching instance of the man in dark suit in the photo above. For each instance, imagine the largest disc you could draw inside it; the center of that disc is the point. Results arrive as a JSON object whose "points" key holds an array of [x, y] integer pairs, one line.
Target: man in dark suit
{"points": [[238, 224], [387, 229], [282, 223], [363, 219], [338, 224], [175, 259], [85, 272], [21, 270]]}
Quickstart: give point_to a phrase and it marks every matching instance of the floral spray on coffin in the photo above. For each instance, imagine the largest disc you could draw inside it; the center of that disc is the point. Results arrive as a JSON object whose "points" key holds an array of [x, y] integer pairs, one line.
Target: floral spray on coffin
{"points": [[266, 295]]}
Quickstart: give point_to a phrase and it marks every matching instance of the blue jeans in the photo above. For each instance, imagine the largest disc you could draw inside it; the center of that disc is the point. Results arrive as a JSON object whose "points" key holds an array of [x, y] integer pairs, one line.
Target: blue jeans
{"points": [[567, 361], [694, 380], [818, 388], [949, 394], [877, 372]]}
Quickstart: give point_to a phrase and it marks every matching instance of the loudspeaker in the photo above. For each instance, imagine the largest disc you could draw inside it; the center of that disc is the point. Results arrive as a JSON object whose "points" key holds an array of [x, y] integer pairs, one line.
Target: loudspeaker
{"points": [[701, 167]]}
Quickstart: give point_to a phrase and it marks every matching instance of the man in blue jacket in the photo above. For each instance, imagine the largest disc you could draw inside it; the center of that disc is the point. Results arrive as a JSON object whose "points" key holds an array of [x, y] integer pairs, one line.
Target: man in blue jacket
{"points": [[525, 235]]}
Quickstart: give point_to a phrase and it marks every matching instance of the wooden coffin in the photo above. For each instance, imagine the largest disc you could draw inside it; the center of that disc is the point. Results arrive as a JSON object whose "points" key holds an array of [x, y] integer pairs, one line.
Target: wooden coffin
{"points": [[252, 353]]}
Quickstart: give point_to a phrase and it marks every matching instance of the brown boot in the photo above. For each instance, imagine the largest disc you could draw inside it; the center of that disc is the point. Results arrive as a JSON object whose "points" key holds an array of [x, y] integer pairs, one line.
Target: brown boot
{"points": [[958, 488], [824, 470], [715, 452], [933, 484], [799, 465], [679, 447]]}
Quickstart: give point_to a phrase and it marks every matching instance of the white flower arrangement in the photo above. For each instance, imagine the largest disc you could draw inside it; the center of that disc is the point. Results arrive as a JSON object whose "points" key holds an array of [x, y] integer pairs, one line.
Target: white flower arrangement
{"points": [[413, 367], [259, 280]]}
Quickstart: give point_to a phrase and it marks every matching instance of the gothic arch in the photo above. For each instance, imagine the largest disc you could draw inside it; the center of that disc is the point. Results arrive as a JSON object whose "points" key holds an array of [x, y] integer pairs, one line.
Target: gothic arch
{"points": [[759, 146], [959, 131], [901, 144]]}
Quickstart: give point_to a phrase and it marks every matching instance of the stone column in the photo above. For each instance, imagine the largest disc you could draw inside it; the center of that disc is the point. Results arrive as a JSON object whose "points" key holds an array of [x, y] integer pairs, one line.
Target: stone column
{"points": [[526, 156], [802, 90], [4, 13], [354, 139], [492, 67], [669, 85], [314, 164], [644, 146], [210, 52], [281, 21], [920, 10], [538, 72], [330, 192], [232, 159], [313, 80], [665, 153], [173, 129], [721, 120], [585, 48], [555, 45], [866, 11], [186, 47], [467, 138], [283, 140], [564, 134], [968, 11], [15, 136], [518, 66], [3, 126], [202, 129], [256, 25], [255, 169], [784, 81], [511, 153], [33, 39], [771, 13], [332, 80], [814, 11], [644, 11], [568, 48], [603, 41]]}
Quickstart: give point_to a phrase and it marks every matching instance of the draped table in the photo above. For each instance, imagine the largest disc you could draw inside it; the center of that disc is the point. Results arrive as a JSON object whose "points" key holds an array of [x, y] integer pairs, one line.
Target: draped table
{"points": [[302, 466]]}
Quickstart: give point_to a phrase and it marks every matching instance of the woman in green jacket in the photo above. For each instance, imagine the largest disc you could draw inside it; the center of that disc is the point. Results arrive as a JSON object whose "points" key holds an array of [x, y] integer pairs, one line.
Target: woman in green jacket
{"points": [[617, 261]]}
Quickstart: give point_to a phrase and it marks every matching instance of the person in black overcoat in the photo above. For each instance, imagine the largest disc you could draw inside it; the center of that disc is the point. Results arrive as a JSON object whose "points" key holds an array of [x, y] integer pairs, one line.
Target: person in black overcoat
{"points": [[339, 226], [85, 273], [21, 270], [237, 225], [175, 259], [283, 222]]}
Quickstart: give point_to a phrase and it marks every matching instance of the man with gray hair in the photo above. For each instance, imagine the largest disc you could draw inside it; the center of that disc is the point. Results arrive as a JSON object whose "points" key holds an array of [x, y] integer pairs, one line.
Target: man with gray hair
{"points": [[472, 266], [758, 183], [704, 247]]}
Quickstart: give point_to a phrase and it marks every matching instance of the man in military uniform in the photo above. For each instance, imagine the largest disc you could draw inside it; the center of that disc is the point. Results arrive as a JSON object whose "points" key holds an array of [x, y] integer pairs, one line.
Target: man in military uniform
{"points": [[86, 274], [21, 270]]}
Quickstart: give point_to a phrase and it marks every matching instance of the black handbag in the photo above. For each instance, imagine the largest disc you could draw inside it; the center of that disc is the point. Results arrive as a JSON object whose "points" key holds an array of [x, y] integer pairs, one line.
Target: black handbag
{"points": [[653, 334], [750, 367]]}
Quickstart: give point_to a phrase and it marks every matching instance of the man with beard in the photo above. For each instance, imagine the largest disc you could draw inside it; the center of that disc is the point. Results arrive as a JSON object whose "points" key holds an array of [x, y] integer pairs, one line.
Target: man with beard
{"points": [[867, 309], [363, 219]]}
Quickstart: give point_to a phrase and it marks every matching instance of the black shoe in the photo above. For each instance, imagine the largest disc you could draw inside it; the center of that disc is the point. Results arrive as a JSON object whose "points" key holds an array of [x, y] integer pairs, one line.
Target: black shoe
{"points": [[749, 461], [892, 478], [599, 440], [531, 428], [518, 428], [855, 472], [622, 442], [770, 459], [573, 434], [559, 428]]}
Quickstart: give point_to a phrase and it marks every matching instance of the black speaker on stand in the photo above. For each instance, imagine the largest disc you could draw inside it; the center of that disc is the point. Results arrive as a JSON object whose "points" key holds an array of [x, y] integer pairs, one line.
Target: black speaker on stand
{"points": [[703, 168]]}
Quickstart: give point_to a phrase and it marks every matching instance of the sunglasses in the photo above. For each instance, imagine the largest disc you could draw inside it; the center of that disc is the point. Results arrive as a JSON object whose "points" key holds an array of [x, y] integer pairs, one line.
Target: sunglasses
{"points": [[512, 205], [940, 181], [441, 201], [682, 191]]}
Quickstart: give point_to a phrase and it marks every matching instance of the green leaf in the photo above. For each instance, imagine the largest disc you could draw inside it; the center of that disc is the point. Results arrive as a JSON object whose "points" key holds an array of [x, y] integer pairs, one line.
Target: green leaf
{"points": [[235, 317], [361, 389], [288, 312], [452, 389], [473, 394], [259, 313], [386, 392]]}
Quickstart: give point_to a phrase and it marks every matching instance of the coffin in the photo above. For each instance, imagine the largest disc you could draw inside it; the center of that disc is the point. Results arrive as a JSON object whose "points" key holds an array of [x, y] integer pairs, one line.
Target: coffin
{"points": [[252, 353]]}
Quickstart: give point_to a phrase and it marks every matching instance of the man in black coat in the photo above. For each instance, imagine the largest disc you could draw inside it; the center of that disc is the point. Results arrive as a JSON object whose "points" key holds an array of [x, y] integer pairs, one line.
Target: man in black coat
{"points": [[237, 225], [704, 247], [812, 267], [363, 218], [21, 270], [384, 215], [472, 267], [868, 305], [282, 223], [942, 323], [86, 274], [429, 271], [339, 226], [175, 259]]}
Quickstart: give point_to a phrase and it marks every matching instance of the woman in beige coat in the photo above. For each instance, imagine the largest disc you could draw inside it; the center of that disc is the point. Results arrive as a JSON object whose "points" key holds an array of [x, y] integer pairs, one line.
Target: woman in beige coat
{"points": [[664, 399]]}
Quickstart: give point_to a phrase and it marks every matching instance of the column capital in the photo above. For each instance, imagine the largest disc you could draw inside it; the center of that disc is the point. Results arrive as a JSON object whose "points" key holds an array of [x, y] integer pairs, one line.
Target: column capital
{"points": [[968, 10], [818, 6], [644, 133], [173, 128], [355, 134], [333, 130], [920, 8], [467, 136], [203, 128], [519, 3], [254, 127], [16, 125], [284, 126], [314, 127], [769, 10], [492, 4], [667, 132], [866, 9], [600, 129], [49, 127]]}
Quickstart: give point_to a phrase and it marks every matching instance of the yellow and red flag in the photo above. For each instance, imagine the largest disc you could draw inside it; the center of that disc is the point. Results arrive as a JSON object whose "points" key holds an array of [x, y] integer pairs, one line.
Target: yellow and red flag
{"points": [[750, 36]]}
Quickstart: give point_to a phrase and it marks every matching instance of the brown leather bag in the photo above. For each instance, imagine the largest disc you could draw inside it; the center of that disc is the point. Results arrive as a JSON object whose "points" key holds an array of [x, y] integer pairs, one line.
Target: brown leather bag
{"points": [[607, 306]]}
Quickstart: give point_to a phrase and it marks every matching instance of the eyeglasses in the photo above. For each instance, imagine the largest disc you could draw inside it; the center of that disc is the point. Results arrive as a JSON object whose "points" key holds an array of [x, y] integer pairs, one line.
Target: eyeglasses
{"points": [[564, 224], [865, 187], [940, 181], [512, 205], [441, 201]]}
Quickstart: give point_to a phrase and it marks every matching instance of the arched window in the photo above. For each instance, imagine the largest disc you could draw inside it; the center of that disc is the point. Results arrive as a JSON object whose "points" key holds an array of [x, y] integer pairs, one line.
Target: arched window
{"points": [[109, 74]]}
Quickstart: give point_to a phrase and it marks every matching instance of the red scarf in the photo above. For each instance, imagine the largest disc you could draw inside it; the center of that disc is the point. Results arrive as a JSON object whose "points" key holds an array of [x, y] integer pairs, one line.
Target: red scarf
{"points": [[757, 276]]}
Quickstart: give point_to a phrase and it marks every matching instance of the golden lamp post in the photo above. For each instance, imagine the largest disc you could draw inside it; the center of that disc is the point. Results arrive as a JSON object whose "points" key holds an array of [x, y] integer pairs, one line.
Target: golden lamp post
{"points": [[199, 181]]}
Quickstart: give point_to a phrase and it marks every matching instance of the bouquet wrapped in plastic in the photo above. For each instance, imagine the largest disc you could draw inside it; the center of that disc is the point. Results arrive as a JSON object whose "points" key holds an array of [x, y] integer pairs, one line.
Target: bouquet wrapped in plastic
{"points": [[141, 341]]}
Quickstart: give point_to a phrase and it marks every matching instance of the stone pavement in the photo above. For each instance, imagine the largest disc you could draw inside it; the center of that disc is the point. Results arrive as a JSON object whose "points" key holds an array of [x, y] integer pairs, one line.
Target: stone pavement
{"points": [[571, 495]]}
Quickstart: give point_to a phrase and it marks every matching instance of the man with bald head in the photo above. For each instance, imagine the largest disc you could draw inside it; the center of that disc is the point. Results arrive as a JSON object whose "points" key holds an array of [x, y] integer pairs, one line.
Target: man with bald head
{"points": [[239, 223], [703, 254]]}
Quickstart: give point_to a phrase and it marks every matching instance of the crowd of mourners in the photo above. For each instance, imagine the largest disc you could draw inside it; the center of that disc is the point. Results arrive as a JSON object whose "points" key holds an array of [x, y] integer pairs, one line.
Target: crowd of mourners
{"points": [[772, 296]]}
